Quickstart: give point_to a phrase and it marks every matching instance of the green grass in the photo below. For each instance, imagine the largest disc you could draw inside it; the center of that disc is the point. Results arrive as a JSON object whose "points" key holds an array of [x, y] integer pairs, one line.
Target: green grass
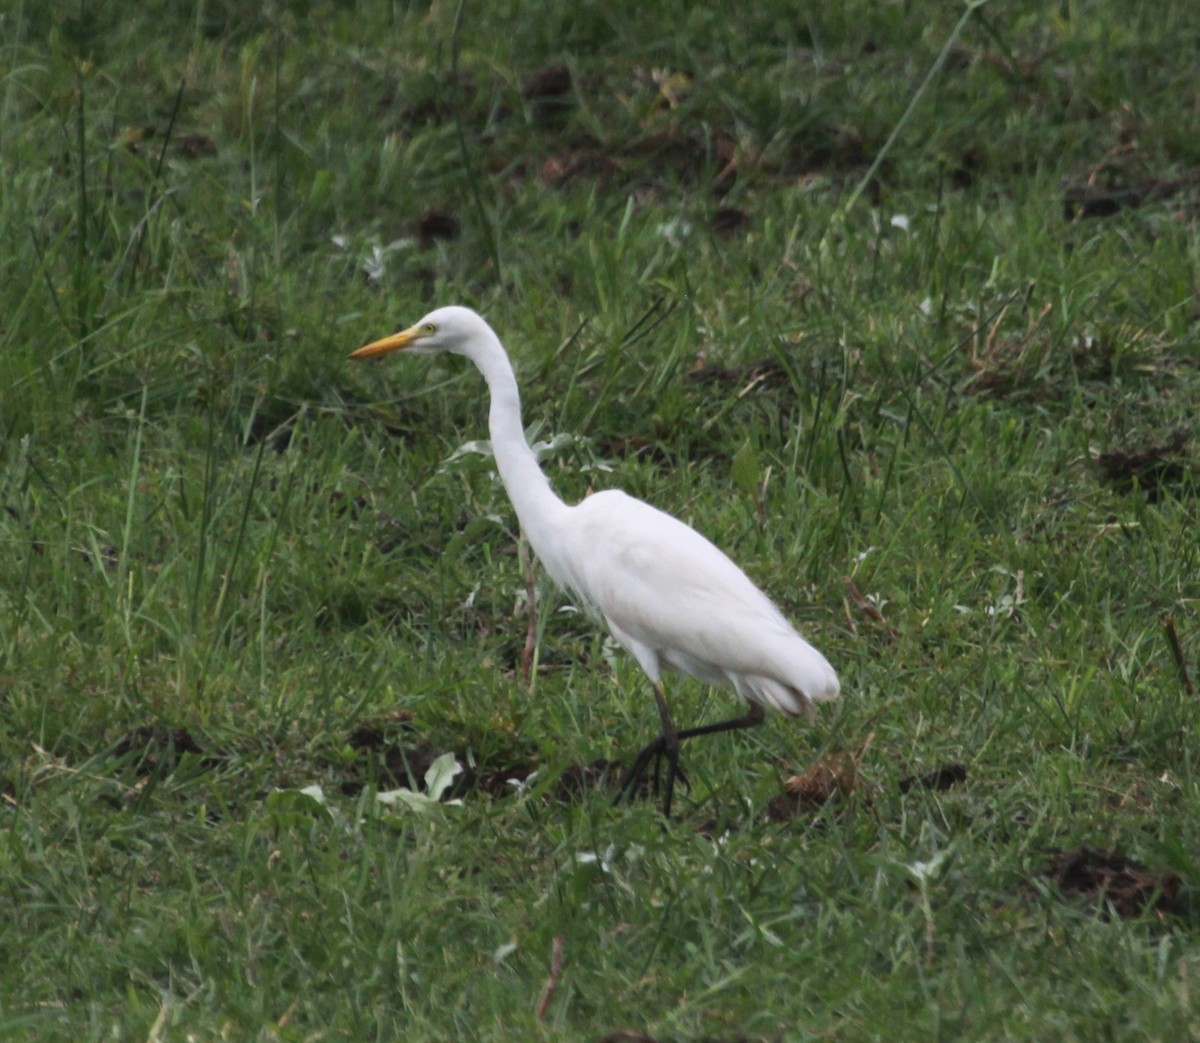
{"points": [[216, 530]]}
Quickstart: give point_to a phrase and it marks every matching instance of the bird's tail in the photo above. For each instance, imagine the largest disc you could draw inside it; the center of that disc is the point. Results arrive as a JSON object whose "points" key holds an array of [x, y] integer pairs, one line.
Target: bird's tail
{"points": [[803, 676]]}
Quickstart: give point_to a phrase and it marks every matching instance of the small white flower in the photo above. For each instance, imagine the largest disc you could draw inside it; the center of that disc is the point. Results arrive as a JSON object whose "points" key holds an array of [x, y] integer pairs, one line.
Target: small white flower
{"points": [[676, 230], [924, 871], [604, 861], [521, 785]]}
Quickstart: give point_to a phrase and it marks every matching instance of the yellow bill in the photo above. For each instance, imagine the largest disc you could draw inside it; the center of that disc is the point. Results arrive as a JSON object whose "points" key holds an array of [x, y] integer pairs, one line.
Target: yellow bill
{"points": [[396, 342]]}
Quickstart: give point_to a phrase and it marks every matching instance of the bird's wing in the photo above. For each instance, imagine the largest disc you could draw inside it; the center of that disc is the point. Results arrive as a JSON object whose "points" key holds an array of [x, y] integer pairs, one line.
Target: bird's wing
{"points": [[669, 588]]}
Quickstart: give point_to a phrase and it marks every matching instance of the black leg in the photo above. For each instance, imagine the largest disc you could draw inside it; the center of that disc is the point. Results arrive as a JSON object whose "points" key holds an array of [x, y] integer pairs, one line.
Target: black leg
{"points": [[670, 738], [751, 719], [667, 744]]}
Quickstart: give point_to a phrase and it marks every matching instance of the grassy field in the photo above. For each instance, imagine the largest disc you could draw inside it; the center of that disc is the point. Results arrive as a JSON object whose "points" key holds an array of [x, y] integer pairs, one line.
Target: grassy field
{"points": [[897, 303]]}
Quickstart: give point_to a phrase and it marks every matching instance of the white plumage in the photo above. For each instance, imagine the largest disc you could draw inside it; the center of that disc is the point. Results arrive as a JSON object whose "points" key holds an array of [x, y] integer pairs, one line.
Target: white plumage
{"points": [[671, 598]]}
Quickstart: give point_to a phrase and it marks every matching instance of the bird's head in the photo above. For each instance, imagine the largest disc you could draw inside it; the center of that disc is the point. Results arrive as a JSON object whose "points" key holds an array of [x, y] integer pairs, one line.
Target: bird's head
{"points": [[452, 329]]}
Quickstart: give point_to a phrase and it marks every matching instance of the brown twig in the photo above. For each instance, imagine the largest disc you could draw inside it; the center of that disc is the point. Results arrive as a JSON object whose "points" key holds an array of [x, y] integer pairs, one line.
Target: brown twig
{"points": [[551, 986], [867, 607], [286, 1016], [1168, 625], [862, 603]]}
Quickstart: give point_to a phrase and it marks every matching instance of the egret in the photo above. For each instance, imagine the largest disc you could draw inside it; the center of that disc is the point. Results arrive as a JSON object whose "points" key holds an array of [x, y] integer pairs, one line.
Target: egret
{"points": [[670, 598]]}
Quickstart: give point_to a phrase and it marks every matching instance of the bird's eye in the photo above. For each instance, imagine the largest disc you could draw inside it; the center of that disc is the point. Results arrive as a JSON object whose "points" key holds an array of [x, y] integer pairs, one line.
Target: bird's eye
{"points": [[429, 329]]}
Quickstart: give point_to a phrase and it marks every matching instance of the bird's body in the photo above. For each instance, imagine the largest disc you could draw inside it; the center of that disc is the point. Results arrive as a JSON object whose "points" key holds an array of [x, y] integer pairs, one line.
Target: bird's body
{"points": [[676, 602], [671, 598]]}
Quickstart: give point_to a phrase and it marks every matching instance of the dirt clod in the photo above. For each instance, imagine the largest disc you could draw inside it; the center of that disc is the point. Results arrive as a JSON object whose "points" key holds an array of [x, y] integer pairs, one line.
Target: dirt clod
{"points": [[154, 748], [437, 224], [1150, 468], [833, 777], [197, 146], [729, 220], [554, 81], [1110, 881], [941, 779], [579, 780]]}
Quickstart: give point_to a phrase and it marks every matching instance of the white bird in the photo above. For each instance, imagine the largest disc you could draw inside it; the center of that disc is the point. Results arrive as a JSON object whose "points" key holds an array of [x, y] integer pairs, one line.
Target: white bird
{"points": [[669, 596]]}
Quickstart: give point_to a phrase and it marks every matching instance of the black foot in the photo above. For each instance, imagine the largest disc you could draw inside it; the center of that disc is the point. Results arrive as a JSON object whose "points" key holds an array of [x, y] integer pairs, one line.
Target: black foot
{"points": [[635, 776]]}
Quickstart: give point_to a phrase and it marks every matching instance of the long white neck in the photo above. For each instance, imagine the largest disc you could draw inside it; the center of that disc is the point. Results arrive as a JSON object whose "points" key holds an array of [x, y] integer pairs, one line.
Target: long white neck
{"points": [[538, 507]]}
